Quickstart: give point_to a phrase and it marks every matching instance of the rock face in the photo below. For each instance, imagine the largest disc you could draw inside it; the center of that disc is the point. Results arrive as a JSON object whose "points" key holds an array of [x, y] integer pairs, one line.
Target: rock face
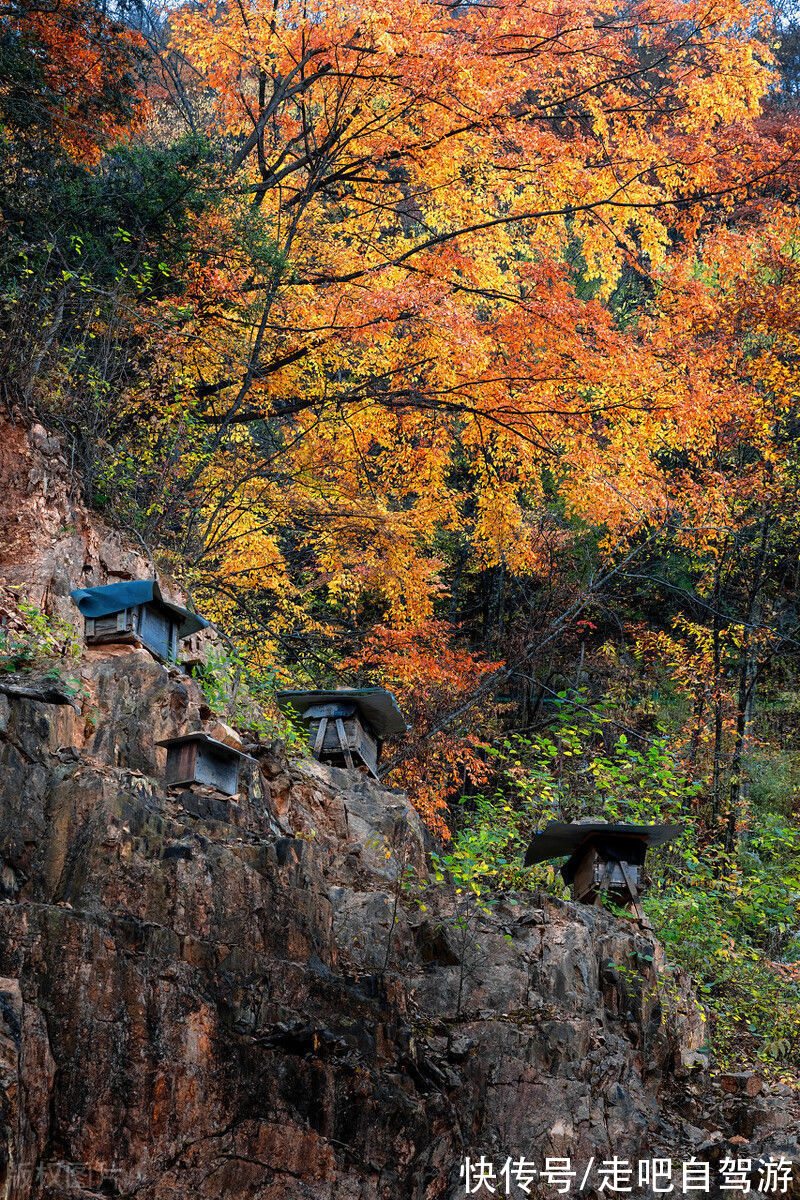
{"points": [[228, 999], [49, 543]]}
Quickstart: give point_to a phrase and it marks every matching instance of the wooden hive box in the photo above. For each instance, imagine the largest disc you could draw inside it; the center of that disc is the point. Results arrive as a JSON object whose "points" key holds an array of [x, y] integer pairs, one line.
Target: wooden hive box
{"points": [[197, 758], [136, 612], [151, 624], [604, 858], [592, 871], [193, 657], [337, 736], [346, 727]]}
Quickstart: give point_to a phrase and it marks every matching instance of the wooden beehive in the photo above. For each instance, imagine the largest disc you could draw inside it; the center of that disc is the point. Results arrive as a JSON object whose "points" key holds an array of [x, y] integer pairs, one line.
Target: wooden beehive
{"points": [[337, 736], [151, 624], [197, 758], [346, 728], [193, 657], [136, 612], [604, 858], [612, 866]]}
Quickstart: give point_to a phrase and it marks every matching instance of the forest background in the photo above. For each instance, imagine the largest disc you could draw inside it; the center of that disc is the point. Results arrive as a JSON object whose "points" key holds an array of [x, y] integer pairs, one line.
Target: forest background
{"points": [[453, 347]]}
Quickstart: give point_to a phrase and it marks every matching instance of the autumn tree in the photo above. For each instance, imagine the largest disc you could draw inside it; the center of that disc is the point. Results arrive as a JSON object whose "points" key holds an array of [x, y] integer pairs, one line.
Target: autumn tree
{"points": [[417, 334], [71, 80], [391, 273], [71, 85], [723, 513]]}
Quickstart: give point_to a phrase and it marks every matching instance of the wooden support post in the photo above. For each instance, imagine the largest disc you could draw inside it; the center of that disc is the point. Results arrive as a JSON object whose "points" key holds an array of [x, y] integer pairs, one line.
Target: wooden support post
{"points": [[632, 889], [320, 738], [348, 758]]}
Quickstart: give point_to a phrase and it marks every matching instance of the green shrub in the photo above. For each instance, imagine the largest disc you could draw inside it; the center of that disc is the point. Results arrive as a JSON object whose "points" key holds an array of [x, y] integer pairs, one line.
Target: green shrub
{"points": [[32, 638], [734, 924], [246, 697]]}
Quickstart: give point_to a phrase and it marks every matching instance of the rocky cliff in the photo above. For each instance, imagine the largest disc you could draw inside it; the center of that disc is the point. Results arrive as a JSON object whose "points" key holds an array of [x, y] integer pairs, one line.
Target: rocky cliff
{"points": [[237, 998]]}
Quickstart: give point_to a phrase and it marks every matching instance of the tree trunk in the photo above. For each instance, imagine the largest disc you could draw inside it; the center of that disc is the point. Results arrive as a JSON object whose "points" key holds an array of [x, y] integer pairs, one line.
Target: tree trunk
{"points": [[748, 675], [716, 777]]}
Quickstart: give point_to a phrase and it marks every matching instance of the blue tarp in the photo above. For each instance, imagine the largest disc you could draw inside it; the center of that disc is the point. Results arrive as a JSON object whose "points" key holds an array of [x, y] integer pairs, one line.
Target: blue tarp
{"points": [[114, 597]]}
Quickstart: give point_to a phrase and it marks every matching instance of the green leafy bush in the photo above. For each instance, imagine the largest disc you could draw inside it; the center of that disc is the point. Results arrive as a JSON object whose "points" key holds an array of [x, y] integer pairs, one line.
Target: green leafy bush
{"points": [[247, 697], [31, 638], [734, 924]]}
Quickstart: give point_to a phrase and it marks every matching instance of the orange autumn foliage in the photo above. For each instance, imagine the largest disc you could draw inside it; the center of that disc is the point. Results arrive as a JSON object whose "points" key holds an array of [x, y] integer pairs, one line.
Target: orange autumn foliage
{"points": [[399, 326], [432, 678], [388, 281], [80, 86]]}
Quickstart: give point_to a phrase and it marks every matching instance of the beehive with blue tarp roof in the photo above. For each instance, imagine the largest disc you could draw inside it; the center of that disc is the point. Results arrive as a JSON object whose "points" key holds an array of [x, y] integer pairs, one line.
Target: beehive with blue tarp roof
{"points": [[136, 611]]}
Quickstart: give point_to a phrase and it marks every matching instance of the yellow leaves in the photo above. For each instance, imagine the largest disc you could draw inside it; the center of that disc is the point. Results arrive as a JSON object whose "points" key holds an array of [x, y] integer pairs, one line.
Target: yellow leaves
{"points": [[425, 308]]}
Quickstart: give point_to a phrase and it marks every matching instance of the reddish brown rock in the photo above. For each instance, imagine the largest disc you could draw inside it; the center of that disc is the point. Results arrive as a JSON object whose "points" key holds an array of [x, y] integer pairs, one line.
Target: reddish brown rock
{"points": [[745, 1083]]}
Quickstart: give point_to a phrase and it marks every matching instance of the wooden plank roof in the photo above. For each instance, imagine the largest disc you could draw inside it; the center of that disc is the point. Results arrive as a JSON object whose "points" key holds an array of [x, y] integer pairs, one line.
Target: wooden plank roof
{"points": [[377, 706], [204, 739], [562, 837]]}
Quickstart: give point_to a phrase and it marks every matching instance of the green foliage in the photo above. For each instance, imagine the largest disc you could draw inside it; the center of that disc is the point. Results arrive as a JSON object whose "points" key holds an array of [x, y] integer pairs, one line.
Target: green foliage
{"points": [[133, 215], [486, 853], [774, 782], [77, 272], [34, 638], [139, 483], [256, 240], [129, 219], [239, 693], [563, 772], [586, 763], [734, 924]]}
